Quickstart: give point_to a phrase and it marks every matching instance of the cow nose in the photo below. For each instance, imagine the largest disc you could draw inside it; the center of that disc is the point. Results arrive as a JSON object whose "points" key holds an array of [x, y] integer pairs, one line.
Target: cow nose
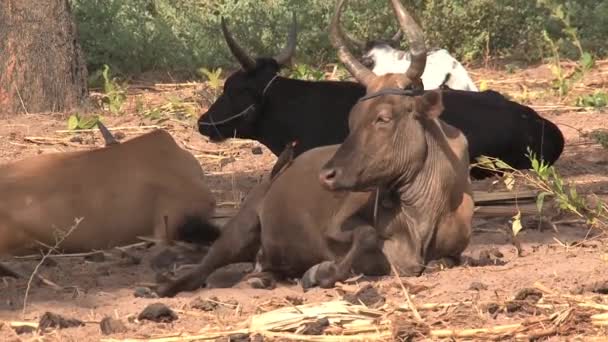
{"points": [[328, 177]]}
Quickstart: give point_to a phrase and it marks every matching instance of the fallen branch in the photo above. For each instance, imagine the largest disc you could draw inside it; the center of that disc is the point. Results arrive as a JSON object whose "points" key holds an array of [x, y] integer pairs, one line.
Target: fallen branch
{"points": [[147, 239], [17, 324], [55, 256], [182, 337], [34, 273], [500, 196], [178, 85], [50, 141], [506, 210], [121, 128], [500, 329], [406, 294], [211, 156]]}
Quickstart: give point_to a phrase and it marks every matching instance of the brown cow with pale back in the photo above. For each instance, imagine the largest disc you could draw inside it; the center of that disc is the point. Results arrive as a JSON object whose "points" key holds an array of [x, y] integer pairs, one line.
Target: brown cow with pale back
{"points": [[120, 191], [320, 219]]}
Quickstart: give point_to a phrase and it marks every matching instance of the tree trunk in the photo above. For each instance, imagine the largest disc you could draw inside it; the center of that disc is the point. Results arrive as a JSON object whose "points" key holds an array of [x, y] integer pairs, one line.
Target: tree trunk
{"points": [[42, 67]]}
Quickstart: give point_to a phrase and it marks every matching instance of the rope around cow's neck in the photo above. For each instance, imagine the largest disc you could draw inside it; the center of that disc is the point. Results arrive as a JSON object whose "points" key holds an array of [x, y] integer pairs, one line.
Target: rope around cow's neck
{"points": [[242, 113], [376, 201]]}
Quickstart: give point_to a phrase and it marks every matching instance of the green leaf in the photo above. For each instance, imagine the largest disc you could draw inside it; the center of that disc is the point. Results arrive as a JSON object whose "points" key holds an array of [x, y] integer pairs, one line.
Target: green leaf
{"points": [[501, 164], [516, 226], [483, 85], [486, 162], [73, 122], [587, 61], [540, 200], [559, 12], [571, 208], [555, 70], [557, 180], [573, 194], [509, 182], [88, 123], [535, 165], [107, 83]]}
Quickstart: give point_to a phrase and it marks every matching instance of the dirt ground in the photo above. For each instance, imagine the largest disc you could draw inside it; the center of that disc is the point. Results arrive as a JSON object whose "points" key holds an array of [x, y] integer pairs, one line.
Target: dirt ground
{"points": [[565, 265]]}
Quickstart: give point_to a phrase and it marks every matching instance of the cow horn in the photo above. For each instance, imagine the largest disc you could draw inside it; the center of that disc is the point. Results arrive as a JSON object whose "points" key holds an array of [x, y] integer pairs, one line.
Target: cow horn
{"points": [[108, 137], [397, 37], [284, 56], [360, 72], [352, 41], [415, 38], [244, 59]]}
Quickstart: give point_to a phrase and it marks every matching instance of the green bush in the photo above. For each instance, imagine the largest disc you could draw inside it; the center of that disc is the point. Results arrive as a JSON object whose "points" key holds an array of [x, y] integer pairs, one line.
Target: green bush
{"points": [[132, 36]]}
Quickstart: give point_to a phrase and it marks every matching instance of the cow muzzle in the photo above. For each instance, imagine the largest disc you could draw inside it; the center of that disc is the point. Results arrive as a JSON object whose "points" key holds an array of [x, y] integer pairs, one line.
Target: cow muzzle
{"points": [[332, 178], [329, 176]]}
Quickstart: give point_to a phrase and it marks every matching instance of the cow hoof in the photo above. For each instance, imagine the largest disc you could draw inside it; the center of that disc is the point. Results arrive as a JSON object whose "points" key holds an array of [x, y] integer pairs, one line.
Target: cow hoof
{"points": [[165, 292], [261, 283], [439, 265], [319, 274]]}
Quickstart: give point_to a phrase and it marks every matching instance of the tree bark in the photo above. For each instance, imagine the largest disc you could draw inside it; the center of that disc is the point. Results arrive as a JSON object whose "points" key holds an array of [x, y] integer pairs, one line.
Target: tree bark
{"points": [[42, 68]]}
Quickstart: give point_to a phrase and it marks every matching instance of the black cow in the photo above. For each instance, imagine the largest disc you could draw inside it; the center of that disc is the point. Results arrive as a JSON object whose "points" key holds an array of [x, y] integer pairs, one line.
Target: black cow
{"points": [[259, 104]]}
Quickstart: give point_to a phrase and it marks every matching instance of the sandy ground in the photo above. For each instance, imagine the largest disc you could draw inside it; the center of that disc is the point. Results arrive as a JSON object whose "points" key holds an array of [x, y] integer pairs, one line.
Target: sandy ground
{"points": [[566, 261]]}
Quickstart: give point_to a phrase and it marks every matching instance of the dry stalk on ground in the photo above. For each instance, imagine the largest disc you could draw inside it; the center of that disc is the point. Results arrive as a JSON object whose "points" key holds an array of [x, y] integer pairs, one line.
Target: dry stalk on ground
{"points": [[554, 315], [59, 240]]}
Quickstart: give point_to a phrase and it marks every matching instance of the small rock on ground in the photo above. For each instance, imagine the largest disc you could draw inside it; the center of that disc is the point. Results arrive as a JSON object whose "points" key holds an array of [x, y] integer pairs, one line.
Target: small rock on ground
{"points": [[599, 287], [368, 295], [316, 328], [205, 304], [109, 325], [529, 294], [158, 312], [53, 320], [478, 286], [144, 292], [24, 329]]}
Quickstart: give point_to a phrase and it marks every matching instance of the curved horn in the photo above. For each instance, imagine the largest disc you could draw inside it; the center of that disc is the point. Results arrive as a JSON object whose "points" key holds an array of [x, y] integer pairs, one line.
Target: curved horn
{"points": [[244, 59], [352, 40], [360, 72], [397, 37], [415, 38], [284, 56], [108, 137]]}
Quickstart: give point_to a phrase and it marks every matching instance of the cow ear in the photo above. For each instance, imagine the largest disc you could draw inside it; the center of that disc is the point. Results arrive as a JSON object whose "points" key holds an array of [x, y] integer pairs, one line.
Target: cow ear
{"points": [[430, 104]]}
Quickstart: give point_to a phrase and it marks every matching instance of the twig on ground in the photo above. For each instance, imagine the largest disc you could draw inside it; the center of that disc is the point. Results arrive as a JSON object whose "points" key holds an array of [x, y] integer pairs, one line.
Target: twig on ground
{"points": [[120, 128], [452, 333], [51, 141], [53, 256], [406, 294], [34, 273], [211, 156], [21, 100]]}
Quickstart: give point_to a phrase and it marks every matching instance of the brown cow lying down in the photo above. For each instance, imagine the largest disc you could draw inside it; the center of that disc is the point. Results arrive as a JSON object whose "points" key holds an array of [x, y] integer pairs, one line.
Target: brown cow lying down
{"points": [[121, 191], [316, 221]]}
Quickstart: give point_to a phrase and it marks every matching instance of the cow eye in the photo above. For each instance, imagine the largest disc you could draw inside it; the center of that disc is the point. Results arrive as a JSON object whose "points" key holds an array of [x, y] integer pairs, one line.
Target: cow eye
{"points": [[383, 119]]}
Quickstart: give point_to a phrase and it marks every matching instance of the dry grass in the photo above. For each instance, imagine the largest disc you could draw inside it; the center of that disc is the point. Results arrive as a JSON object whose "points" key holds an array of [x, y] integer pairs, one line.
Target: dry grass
{"points": [[553, 314]]}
